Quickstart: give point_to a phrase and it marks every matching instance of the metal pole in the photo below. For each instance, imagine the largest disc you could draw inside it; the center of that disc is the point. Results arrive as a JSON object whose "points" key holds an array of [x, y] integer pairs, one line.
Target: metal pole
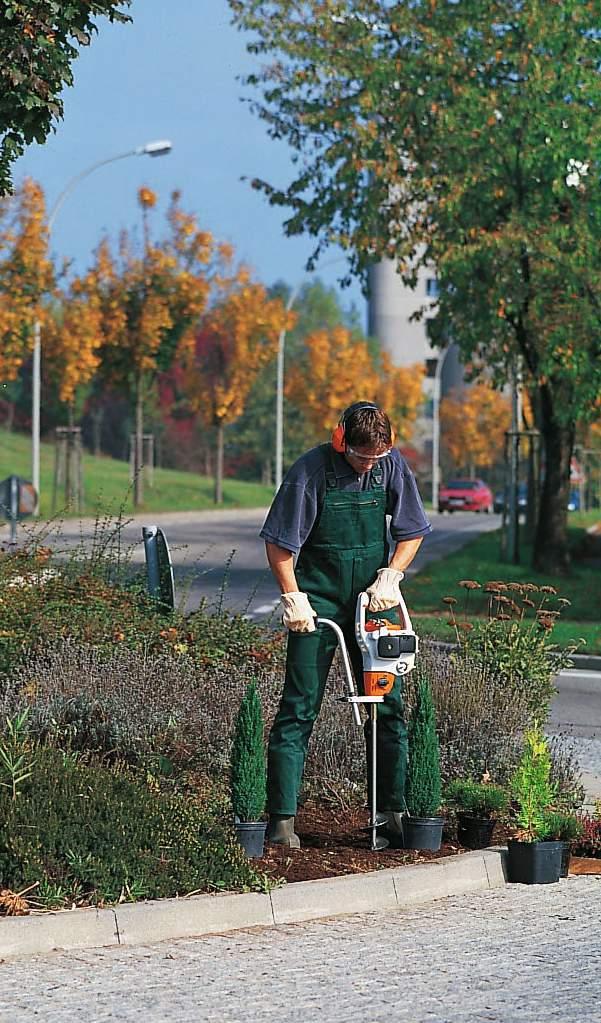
{"points": [[35, 413], [279, 412], [374, 767], [513, 540], [436, 427], [37, 348], [279, 398]]}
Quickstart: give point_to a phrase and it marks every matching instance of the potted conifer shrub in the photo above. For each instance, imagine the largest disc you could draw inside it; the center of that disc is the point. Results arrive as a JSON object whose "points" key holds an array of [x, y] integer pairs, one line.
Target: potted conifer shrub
{"points": [[533, 857], [248, 774], [422, 828], [477, 805], [566, 829]]}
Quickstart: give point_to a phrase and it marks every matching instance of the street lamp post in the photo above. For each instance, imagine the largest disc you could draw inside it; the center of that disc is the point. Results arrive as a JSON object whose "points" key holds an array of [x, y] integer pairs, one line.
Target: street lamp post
{"points": [[279, 396], [158, 148], [436, 426]]}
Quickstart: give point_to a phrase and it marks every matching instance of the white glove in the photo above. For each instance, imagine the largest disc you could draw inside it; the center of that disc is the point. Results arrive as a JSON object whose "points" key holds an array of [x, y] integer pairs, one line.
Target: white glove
{"points": [[298, 615], [384, 592]]}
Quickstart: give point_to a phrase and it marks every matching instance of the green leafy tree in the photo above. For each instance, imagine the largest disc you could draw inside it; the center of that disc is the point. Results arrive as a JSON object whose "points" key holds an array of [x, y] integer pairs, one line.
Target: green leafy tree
{"points": [[463, 136], [39, 41], [248, 779]]}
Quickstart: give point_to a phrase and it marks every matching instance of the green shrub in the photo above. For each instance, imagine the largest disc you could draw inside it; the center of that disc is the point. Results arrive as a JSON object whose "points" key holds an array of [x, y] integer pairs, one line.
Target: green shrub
{"points": [[563, 827], [532, 788], [479, 724], [479, 798], [515, 639], [423, 791], [89, 598], [248, 776], [100, 835]]}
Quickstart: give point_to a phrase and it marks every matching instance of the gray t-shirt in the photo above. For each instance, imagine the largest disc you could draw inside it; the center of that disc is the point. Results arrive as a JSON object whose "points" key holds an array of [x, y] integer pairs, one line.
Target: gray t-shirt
{"points": [[298, 501]]}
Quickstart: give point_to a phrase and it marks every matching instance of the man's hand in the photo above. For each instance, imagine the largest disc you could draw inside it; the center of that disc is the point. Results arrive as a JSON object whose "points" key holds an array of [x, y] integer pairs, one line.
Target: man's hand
{"points": [[384, 591], [298, 615]]}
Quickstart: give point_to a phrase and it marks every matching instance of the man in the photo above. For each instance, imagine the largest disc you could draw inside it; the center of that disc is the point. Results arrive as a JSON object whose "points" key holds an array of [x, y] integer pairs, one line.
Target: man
{"points": [[331, 512]]}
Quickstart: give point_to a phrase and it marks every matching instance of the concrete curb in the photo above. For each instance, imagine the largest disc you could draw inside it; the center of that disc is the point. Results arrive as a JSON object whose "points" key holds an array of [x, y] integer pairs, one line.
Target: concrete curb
{"points": [[146, 922]]}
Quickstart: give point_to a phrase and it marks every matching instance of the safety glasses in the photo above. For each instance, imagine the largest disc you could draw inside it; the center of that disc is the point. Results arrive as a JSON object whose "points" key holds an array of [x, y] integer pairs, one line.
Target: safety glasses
{"points": [[367, 458]]}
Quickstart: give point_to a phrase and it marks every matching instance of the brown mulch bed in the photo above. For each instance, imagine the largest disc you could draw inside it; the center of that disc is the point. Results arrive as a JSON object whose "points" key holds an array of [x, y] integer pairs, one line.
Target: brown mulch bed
{"points": [[333, 843]]}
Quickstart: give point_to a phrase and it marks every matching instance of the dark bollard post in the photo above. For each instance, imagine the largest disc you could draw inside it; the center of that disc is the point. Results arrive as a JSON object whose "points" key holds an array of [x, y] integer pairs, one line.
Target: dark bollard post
{"points": [[159, 569]]}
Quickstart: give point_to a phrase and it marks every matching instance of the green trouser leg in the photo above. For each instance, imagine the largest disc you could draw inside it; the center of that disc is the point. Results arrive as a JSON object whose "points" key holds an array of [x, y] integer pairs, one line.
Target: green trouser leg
{"points": [[308, 662]]}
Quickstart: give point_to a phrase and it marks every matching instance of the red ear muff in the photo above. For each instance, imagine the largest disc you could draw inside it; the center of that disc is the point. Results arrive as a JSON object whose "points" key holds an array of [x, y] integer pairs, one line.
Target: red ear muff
{"points": [[338, 441]]}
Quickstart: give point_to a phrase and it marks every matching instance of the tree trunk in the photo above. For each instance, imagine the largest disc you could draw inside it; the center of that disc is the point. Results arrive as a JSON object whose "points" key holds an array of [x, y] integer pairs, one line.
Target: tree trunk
{"points": [[551, 552], [97, 416], [219, 465], [138, 445], [69, 481]]}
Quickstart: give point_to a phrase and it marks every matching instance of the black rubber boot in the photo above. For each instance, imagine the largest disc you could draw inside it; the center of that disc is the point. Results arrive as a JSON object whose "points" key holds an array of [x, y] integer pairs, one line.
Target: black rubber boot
{"points": [[281, 831]]}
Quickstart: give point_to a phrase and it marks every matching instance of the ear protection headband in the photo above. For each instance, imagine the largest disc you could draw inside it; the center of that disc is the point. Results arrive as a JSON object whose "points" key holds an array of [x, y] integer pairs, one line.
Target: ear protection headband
{"points": [[338, 440]]}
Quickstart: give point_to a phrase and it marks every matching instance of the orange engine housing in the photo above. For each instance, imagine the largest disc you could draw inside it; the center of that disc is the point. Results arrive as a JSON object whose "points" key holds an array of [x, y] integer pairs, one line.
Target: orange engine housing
{"points": [[377, 683]]}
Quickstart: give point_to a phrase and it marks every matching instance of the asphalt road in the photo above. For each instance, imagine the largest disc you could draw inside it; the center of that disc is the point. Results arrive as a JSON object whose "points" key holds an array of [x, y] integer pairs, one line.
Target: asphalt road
{"points": [[218, 555]]}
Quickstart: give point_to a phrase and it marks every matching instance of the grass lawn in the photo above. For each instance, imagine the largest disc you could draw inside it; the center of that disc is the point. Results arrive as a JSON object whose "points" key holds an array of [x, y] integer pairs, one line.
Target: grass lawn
{"points": [[107, 485], [479, 560]]}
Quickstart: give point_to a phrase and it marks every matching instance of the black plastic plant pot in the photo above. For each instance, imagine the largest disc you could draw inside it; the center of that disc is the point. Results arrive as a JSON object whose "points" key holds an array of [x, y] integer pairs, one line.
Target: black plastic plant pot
{"points": [[566, 855], [423, 832], [533, 862], [251, 836], [474, 832]]}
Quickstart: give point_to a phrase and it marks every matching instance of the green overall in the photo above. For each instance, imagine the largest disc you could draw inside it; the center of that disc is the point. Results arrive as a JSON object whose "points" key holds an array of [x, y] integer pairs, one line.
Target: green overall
{"points": [[340, 558]]}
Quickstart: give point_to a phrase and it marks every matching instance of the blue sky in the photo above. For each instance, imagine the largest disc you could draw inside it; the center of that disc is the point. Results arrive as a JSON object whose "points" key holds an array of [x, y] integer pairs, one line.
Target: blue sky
{"points": [[171, 74]]}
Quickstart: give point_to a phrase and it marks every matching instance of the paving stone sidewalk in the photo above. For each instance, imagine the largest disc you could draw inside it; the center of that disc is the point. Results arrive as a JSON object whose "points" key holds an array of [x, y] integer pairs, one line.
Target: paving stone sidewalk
{"points": [[511, 955]]}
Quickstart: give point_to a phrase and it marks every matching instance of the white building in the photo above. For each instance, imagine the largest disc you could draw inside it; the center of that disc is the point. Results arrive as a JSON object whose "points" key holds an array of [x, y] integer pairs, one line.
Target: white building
{"points": [[391, 305]]}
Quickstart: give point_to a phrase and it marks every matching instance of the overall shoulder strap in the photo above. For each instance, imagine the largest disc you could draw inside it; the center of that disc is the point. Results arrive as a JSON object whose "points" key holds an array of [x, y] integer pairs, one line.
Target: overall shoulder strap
{"points": [[330, 470]]}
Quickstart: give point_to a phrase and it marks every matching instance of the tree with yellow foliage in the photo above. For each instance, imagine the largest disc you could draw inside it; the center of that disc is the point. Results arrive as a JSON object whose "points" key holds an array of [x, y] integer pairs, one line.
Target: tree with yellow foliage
{"points": [[473, 426], [239, 336], [151, 304], [26, 275], [338, 369], [73, 338]]}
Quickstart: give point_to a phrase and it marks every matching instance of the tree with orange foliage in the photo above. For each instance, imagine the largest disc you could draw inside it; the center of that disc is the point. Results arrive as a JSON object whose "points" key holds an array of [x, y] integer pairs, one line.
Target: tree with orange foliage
{"points": [[73, 338], [150, 306], [239, 336], [26, 275], [473, 426], [338, 369]]}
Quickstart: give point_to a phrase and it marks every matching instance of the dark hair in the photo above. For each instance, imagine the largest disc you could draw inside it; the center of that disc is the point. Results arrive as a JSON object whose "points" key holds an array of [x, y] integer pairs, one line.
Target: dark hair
{"points": [[368, 427]]}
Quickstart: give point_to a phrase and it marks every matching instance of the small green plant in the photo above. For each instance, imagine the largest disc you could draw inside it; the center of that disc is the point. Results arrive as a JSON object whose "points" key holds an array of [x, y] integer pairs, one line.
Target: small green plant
{"points": [[532, 788], [16, 757], [563, 827], [423, 792], [248, 775], [478, 798]]}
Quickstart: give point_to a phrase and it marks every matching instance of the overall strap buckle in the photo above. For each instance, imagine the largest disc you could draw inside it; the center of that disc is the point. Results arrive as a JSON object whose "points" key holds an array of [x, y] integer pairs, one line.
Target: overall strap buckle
{"points": [[377, 475]]}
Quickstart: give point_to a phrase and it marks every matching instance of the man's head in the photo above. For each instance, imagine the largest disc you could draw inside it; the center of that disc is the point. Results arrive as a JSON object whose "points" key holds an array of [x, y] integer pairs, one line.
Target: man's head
{"points": [[364, 435]]}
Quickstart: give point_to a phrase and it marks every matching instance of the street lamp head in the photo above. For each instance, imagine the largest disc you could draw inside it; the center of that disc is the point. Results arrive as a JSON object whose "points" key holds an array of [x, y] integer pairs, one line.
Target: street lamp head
{"points": [[159, 148]]}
